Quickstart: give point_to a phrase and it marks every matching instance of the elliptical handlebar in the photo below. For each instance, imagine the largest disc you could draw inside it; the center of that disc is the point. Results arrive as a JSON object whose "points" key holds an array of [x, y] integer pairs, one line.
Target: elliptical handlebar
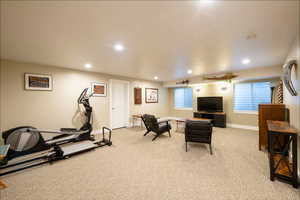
{"points": [[82, 96], [84, 100]]}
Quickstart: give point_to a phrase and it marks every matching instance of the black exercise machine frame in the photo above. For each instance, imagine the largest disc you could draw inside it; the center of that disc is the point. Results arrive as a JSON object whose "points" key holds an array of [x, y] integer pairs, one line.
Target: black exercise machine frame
{"points": [[55, 156]]}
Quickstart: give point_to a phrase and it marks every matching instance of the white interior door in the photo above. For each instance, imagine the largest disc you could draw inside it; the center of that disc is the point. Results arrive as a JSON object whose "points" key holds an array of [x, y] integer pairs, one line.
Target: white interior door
{"points": [[119, 104]]}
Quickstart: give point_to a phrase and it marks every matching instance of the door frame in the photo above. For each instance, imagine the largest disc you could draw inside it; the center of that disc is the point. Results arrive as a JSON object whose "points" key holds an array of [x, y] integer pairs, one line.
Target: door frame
{"points": [[127, 112]]}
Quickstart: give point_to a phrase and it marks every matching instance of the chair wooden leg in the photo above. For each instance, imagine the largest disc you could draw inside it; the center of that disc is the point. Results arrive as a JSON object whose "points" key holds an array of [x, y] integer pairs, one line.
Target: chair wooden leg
{"points": [[169, 133], [156, 136], [146, 133], [210, 149], [185, 146]]}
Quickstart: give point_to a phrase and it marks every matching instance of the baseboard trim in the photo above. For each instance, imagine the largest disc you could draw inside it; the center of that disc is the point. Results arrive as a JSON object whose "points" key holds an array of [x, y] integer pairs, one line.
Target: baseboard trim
{"points": [[255, 128]]}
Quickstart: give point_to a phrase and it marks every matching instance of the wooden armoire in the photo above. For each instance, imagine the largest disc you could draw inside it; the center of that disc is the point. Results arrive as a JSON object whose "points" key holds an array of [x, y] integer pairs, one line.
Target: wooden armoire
{"points": [[269, 112]]}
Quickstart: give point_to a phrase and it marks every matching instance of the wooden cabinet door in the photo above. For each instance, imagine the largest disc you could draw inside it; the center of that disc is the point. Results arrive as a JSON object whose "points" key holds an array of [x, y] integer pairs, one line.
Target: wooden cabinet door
{"points": [[268, 112]]}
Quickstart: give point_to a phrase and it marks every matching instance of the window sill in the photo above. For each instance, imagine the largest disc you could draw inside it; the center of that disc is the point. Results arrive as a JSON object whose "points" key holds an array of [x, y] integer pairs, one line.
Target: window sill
{"points": [[246, 112], [183, 108]]}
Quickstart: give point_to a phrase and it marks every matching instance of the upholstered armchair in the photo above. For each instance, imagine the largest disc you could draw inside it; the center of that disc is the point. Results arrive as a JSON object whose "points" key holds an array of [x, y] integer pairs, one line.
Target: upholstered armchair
{"points": [[198, 131], [152, 125]]}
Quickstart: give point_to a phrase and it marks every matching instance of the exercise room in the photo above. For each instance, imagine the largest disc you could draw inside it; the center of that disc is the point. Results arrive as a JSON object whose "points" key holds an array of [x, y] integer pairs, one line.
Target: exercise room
{"points": [[150, 100]]}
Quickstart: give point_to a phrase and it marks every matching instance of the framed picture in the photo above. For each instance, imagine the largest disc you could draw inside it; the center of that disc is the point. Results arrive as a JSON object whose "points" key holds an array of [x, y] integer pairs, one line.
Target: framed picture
{"points": [[38, 82], [99, 89], [151, 95]]}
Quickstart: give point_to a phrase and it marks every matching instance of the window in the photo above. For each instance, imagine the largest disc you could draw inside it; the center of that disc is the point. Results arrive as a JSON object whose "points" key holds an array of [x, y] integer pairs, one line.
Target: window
{"points": [[183, 98], [247, 96]]}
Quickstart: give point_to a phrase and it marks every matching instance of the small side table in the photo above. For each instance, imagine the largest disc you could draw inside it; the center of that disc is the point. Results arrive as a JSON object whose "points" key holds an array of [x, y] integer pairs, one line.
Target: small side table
{"points": [[280, 165], [183, 120], [179, 121], [137, 118]]}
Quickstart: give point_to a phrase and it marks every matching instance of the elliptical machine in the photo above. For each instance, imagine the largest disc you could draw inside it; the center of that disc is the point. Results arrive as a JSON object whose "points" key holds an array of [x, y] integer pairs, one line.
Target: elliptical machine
{"points": [[26, 140]]}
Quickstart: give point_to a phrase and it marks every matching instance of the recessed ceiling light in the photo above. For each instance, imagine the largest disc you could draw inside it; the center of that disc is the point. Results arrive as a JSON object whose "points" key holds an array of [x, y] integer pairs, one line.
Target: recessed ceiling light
{"points": [[246, 61], [155, 77], [119, 47], [88, 65], [189, 71]]}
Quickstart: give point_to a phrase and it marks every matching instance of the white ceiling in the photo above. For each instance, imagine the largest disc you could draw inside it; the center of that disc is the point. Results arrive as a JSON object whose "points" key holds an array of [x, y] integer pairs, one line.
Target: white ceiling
{"points": [[162, 38]]}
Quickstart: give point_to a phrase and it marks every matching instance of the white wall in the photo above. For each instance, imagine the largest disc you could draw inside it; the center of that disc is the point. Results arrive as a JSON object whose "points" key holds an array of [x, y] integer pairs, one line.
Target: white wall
{"points": [[57, 108], [293, 102]]}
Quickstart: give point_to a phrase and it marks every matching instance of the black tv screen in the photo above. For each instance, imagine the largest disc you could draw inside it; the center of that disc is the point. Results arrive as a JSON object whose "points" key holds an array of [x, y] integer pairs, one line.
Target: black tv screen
{"points": [[210, 104]]}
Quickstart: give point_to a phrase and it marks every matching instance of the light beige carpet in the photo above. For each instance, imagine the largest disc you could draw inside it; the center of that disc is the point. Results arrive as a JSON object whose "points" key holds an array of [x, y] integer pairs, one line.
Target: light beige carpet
{"points": [[135, 168]]}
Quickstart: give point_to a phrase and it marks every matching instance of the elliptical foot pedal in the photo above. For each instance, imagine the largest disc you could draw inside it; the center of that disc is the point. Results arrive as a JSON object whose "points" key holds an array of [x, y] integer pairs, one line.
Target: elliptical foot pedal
{"points": [[77, 148]]}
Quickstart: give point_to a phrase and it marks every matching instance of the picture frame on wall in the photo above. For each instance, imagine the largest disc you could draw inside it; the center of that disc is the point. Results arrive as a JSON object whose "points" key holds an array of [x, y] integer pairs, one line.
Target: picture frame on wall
{"points": [[99, 89], [137, 96], [38, 82], [151, 95]]}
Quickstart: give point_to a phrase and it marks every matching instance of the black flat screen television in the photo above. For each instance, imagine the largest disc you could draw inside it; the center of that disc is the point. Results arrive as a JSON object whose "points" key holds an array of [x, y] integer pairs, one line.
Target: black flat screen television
{"points": [[210, 104]]}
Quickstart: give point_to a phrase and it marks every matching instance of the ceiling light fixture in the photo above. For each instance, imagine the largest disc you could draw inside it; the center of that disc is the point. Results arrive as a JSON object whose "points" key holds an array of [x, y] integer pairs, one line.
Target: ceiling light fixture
{"points": [[119, 47], [246, 61], [198, 89], [155, 77], [189, 71], [87, 65]]}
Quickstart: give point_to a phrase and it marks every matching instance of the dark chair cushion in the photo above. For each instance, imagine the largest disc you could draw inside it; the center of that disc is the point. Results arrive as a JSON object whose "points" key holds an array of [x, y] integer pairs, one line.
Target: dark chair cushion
{"points": [[164, 127], [198, 131]]}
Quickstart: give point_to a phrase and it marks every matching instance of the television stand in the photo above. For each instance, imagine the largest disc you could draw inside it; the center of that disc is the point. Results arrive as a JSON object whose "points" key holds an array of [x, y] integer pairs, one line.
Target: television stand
{"points": [[218, 118]]}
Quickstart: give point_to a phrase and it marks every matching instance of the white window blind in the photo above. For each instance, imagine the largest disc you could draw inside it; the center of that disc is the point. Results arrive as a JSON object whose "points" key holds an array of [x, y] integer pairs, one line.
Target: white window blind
{"points": [[183, 97], [247, 96]]}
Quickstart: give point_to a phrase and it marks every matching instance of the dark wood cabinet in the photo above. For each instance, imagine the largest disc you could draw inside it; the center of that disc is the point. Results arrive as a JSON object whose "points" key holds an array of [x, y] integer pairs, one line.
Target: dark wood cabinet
{"points": [[218, 118], [137, 95], [269, 112]]}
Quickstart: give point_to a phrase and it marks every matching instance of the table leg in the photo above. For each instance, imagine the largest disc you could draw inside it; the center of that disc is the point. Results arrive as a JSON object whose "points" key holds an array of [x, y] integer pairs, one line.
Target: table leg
{"points": [[133, 119], [271, 159], [295, 162]]}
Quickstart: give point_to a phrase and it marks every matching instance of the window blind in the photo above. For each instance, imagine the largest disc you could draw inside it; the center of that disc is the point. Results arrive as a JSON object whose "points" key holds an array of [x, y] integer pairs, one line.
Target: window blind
{"points": [[247, 96], [183, 97]]}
